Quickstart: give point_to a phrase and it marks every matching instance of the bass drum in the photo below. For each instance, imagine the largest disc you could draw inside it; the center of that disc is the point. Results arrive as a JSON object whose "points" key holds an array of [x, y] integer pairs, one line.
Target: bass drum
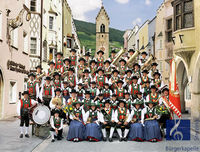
{"points": [[41, 114]]}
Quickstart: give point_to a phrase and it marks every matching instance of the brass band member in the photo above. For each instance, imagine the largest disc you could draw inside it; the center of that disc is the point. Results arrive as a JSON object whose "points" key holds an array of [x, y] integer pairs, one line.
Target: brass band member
{"points": [[51, 68], [121, 118], [114, 79], [47, 91], [32, 87], [100, 59], [93, 68], [73, 57], [58, 61], [107, 69], [112, 57]]}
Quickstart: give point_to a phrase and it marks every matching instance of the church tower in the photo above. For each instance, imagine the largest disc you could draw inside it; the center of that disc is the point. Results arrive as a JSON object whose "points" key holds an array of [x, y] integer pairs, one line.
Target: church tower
{"points": [[102, 32]]}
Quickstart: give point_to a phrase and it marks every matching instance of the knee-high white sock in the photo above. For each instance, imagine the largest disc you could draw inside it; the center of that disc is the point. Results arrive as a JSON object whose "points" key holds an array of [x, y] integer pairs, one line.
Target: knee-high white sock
{"points": [[104, 132], [112, 129], [52, 134], [26, 130], [22, 130], [126, 132], [119, 131]]}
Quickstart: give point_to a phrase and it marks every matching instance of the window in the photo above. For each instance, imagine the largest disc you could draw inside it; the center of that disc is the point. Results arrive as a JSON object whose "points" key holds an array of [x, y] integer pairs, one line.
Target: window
{"points": [[13, 92], [1, 25], [33, 4], [102, 28], [169, 30], [45, 51], [14, 38], [69, 43], [183, 16], [33, 45], [50, 22], [25, 41], [51, 54]]}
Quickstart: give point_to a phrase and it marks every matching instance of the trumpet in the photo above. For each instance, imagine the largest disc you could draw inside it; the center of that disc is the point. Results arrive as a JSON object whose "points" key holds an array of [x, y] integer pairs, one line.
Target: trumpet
{"points": [[132, 58], [41, 76], [122, 51], [148, 62]]}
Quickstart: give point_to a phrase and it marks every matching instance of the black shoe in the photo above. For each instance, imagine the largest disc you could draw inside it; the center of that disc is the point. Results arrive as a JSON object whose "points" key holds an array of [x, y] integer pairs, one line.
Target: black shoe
{"points": [[21, 136], [104, 139], [120, 139], [27, 135], [125, 139], [90, 139], [53, 140], [110, 140], [59, 138]]}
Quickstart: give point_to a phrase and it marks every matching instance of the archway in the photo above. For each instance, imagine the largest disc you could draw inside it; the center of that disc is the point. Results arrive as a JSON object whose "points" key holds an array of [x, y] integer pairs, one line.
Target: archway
{"points": [[182, 78], [1, 93], [196, 91]]}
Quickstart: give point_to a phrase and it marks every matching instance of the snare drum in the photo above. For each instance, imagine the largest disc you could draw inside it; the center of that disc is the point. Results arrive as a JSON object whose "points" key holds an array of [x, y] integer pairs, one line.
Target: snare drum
{"points": [[41, 114]]}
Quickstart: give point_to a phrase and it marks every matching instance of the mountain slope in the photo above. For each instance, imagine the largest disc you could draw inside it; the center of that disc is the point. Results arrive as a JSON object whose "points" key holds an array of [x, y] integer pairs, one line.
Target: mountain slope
{"points": [[87, 35]]}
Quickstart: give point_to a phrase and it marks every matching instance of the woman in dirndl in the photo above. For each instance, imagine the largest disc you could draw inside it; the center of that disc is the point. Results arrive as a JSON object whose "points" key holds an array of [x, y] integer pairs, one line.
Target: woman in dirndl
{"points": [[93, 129], [149, 120], [136, 132], [77, 126]]}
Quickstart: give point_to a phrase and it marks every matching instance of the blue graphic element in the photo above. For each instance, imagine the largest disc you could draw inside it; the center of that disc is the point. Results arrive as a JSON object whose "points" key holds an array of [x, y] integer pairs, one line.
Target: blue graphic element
{"points": [[178, 129]]}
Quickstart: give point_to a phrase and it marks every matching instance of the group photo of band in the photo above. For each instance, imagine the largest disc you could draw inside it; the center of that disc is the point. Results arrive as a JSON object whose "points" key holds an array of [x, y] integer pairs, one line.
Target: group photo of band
{"points": [[119, 98]]}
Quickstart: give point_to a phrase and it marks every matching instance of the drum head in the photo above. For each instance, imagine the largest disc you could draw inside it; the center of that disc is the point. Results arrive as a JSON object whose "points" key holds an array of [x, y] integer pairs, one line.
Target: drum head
{"points": [[41, 115]]}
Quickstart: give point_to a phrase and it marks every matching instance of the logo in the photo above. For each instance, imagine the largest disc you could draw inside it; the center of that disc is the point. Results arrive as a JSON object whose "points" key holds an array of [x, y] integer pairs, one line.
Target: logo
{"points": [[178, 129]]}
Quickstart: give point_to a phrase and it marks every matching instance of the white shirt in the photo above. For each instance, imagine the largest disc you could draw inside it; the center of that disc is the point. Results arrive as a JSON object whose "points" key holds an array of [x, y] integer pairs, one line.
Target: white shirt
{"points": [[19, 105], [53, 125]]}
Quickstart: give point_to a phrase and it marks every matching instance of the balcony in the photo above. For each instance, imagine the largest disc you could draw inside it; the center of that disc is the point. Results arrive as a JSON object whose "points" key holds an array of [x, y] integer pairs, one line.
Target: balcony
{"points": [[184, 43]]}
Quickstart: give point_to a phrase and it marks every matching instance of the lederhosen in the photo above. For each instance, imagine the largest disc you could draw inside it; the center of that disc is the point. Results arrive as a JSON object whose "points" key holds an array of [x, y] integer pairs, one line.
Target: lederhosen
{"points": [[86, 104], [32, 89], [93, 92], [120, 92], [154, 98], [57, 124], [100, 62], [73, 60], [58, 64], [108, 118], [134, 90], [122, 118], [47, 94], [144, 79], [122, 70], [106, 93], [108, 72], [24, 112], [57, 84], [157, 82]]}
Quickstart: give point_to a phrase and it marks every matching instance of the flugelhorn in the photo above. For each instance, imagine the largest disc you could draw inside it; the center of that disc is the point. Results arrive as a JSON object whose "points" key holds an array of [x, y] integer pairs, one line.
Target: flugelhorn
{"points": [[132, 58], [122, 51], [148, 62]]}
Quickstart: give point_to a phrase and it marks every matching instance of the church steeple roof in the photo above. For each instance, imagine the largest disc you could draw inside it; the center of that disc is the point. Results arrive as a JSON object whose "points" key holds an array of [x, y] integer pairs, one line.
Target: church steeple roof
{"points": [[104, 11]]}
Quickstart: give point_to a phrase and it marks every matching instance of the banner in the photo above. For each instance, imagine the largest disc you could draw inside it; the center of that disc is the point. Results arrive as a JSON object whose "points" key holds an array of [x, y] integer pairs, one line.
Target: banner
{"points": [[174, 96]]}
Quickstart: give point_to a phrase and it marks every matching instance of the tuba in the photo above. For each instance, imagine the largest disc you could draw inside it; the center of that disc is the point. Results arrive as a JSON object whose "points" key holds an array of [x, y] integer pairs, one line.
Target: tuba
{"points": [[147, 64], [132, 58], [121, 52], [57, 101]]}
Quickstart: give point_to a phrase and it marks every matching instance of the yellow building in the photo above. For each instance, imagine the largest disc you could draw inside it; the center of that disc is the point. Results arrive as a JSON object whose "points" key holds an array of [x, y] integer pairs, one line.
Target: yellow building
{"points": [[187, 51], [67, 28], [144, 37]]}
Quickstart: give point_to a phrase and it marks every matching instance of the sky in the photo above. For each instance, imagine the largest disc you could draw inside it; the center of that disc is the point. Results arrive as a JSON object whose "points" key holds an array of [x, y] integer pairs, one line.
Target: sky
{"points": [[124, 14]]}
